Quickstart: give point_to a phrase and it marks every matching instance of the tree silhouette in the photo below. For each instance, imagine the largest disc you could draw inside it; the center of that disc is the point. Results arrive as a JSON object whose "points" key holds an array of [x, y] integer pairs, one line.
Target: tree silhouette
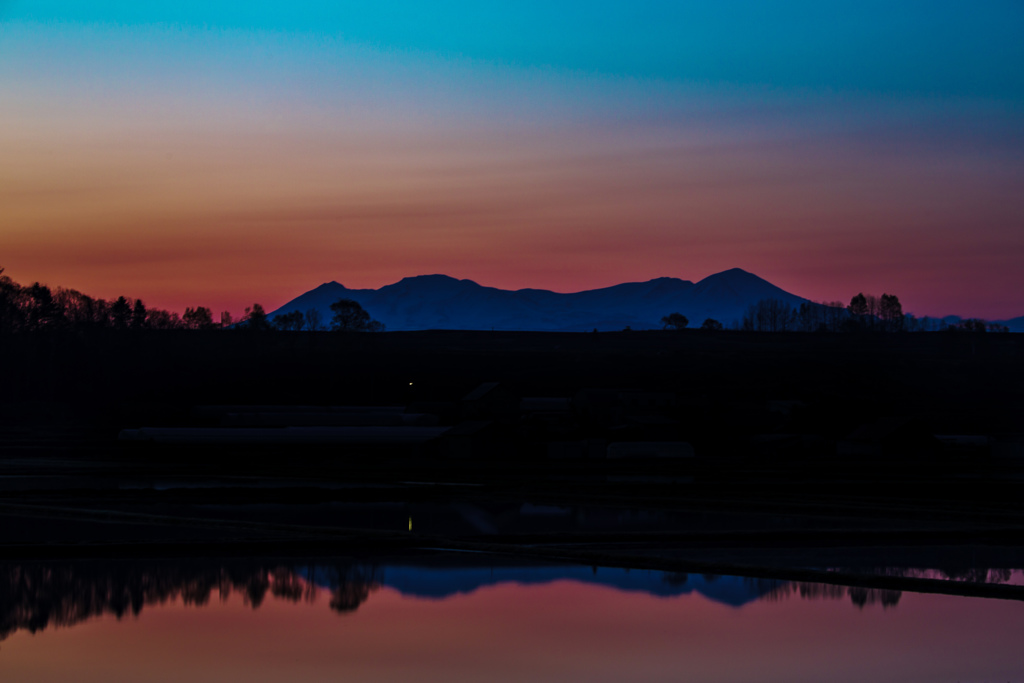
{"points": [[969, 325], [121, 313], [256, 319], [159, 319], [676, 321], [43, 312], [860, 311], [79, 311], [891, 313], [349, 316], [139, 315], [290, 322], [12, 316], [858, 305], [199, 318], [876, 314], [711, 325]]}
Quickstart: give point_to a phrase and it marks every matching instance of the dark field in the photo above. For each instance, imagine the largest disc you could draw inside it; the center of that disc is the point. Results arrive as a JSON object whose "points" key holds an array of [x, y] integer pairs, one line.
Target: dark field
{"points": [[778, 456]]}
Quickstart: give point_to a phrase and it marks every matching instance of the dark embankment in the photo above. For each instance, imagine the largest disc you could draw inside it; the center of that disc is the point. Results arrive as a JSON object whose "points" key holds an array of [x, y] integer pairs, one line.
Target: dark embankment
{"points": [[750, 453], [957, 382]]}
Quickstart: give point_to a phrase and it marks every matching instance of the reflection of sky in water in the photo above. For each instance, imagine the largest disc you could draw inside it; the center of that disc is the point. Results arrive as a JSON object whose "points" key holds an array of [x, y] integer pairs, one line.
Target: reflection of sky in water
{"points": [[513, 624]]}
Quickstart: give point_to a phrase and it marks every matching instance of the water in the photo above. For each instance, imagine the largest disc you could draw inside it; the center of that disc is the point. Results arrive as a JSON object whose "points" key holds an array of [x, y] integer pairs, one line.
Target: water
{"points": [[442, 620]]}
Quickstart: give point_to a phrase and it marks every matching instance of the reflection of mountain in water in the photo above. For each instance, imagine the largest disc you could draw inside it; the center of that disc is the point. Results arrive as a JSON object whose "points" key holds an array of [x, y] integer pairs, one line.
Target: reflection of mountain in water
{"points": [[431, 582]]}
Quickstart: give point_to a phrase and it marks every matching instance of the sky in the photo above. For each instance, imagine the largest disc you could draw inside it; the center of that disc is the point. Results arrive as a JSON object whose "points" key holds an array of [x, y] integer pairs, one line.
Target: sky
{"points": [[220, 153]]}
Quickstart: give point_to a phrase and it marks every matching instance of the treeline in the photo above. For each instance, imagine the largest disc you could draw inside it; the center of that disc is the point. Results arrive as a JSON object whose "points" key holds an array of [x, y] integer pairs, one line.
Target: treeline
{"points": [[864, 313], [36, 307]]}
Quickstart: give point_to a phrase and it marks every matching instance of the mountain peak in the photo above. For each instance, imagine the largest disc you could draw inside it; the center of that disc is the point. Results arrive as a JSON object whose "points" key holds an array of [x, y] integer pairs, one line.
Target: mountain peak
{"points": [[333, 284], [434, 277], [670, 281], [734, 277], [742, 285], [733, 274], [435, 286], [434, 281]]}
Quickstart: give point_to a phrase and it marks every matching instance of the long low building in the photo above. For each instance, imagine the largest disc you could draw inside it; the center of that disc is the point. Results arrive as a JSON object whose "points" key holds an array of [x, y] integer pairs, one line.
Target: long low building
{"points": [[333, 419], [375, 436], [649, 449]]}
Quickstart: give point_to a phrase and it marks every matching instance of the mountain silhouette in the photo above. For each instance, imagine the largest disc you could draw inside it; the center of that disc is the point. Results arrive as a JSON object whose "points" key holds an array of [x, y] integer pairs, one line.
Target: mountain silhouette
{"points": [[443, 302]]}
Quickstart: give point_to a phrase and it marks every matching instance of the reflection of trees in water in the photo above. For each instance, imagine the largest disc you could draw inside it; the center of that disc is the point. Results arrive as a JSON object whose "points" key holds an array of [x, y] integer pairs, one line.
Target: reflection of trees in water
{"points": [[34, 596], [781, 590], [949, 573], [351, 585], [675, 578]]}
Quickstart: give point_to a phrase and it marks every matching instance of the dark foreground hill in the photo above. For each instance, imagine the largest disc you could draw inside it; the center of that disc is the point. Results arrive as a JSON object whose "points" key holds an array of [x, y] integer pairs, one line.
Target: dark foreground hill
{"points": [[441, 302]]}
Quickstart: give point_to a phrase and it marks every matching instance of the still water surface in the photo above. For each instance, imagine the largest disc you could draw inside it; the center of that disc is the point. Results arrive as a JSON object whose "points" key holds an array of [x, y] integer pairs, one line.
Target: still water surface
{"points": [[408, 622]]}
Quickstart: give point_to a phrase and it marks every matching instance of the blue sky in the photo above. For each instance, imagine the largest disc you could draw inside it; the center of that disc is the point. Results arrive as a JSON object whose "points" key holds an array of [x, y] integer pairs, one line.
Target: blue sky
{"points": [[940, 47]]}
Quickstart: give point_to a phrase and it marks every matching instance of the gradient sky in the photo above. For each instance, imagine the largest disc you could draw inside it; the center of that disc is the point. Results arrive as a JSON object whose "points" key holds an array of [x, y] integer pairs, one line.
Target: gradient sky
{"points": [[220, 153]]}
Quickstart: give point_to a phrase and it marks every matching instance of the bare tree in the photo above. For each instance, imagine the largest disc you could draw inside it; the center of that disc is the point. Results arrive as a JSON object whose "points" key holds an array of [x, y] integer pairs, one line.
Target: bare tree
{"points": [[163, 320], [314, 321], [290, 322], [770, 315], [834, 315]]}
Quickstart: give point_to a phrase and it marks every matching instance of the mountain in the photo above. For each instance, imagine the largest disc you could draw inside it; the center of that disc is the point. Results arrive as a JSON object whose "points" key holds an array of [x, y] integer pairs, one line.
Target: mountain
{"points": [[1014, 324], [443, 302]]}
